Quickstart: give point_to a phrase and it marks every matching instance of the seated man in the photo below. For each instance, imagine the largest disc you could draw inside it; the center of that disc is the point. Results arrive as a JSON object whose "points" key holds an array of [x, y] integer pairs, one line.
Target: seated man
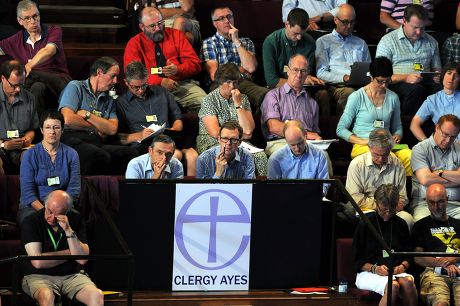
{"points": [[90, 116], [227, 160], [392, 11], [56, 230], [38, 47], [143, 105], [169, 58], [438, 232], [18, 116], [451, 49], [282, 44], [399, 47], [289, 102], [297, 159], [436, 160], [335, 54], [369, 170], [158, 163], [226, 46]]}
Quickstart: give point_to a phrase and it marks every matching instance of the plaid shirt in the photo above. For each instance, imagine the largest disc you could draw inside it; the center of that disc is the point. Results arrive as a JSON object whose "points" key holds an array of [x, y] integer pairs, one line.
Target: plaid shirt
{"points": [[451, 50], [219, 49]]}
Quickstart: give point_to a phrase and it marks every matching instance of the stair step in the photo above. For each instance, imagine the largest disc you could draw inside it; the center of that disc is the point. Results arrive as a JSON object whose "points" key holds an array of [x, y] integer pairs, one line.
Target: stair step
{"points": [[82, 14], [90, 33], [81, 9], [117, 3]]}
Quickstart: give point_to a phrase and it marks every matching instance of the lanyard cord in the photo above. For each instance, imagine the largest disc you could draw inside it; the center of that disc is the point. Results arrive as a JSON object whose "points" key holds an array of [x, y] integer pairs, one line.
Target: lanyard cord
{"points": [[55, 245]]}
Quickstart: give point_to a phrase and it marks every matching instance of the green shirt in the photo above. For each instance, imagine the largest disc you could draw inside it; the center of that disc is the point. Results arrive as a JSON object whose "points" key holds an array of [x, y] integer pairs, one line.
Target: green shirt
{"points": [[277, 49]]}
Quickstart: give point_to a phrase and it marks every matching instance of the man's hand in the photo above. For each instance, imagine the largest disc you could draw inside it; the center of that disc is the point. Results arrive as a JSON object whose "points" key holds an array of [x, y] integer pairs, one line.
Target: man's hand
{"points": [[28, 68], [169, 84], [221, 164], [13, 144], [381, 270], [400, 205], [452, 270], [346, 78], [399, 269], [233, 33], [414, 78], [170, 69], [158, 168], [312, 80], [397, 138], [236, 96], [313, 26], [313, 136], [63, 223], [147, 132]]}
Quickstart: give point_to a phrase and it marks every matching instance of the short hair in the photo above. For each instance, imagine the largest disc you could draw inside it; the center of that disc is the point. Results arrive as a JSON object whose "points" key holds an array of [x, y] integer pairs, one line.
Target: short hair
{"points": [[226, 72], [387, 195], [141, 13], [13, 65], [293, 123], [449, 118], [415, 10], [231, 125], [381, 67], [104, 63], [51, 114], [448, 67], [69, 200], [380, 138], [297, 55], [298, 17], [135, 71], [219, 7], [164, 139], [24, 5]]}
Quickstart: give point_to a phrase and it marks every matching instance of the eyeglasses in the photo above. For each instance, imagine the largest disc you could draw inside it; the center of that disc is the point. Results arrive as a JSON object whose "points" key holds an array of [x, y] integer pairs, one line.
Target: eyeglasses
{"points": [[158, 24], [28, 19], [384, 81], [52, 128], [346, 22], [385, 211], [297, 70], [137, 88], [15, 85], [232, 82], [445, 135], [222, 18], [232, 140]]}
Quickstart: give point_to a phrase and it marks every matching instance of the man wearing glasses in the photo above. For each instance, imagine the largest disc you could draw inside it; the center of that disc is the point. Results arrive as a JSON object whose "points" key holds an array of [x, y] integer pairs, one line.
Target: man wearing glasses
{"points": [[18, 116], [335, 54], [40, 49], [169, 58], [436, 160], [227, 160], [226, 46]]}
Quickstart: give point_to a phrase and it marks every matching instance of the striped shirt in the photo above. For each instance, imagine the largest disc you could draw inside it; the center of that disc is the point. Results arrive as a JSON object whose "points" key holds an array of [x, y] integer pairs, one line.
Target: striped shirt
{"points": [[396, 8]]}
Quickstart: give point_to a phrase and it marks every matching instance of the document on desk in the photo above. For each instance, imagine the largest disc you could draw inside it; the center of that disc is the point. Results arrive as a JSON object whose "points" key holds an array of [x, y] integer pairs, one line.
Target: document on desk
{"points": [[322, 144], [157, 129], [251, 148]]}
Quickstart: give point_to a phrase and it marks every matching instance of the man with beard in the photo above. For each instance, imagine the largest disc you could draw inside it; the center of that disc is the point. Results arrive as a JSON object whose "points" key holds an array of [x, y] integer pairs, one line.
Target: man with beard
{"points": [[438, 232], [227, 160], [169, 58]]}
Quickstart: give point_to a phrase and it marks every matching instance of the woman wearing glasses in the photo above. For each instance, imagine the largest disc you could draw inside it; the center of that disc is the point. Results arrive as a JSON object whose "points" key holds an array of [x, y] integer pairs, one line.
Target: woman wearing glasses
{"points": [[372, 260], [48, 166], [223, 104], [373, 106], [445, 101]]}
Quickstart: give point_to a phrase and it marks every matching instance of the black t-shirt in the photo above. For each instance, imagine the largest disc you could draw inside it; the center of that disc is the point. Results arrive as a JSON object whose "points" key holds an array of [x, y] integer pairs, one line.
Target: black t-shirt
{"points": [[437, 236], [366, 247], [36, 229]]}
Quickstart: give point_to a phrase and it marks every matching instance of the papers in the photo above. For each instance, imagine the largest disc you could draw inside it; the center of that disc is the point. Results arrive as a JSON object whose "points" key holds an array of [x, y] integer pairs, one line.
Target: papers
{"points": [[251, 148], [157, 129], [322, 144], [309, 290]]}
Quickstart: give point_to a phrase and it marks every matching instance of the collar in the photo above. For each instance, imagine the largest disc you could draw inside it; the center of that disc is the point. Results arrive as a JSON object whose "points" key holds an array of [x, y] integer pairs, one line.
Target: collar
{"points": [[237, 155], [340, 36], [148, 165], [287, 40], [222, 38], [369, 163], [400, 34], [4, 98], [287, 89], [86, 85], [293, 157], [44, 33], [435, 145], [130, 96]]}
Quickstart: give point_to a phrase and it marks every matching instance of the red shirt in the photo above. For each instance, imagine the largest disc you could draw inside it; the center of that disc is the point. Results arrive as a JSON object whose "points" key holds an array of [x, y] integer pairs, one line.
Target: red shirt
{"points": [[175, 47]]}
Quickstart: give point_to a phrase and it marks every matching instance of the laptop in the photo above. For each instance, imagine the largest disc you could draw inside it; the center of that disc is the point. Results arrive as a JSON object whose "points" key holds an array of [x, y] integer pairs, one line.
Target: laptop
{"points": [[359, 75]]}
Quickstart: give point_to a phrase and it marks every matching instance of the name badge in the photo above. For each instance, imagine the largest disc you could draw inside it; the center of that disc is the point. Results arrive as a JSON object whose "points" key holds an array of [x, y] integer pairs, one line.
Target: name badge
{"points": [[418, 2], [285, 68], [151, 118], [379, 124], [96, 113], [156, 70], [53, 181], [12, 134], [418, 66]]}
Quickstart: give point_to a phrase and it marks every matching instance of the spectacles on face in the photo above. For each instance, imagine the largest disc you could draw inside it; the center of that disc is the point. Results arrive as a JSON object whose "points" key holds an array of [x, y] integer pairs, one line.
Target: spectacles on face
{"points": [[15, 86], [28, 19], [157, 25], [137, 88], [233, 141], [383, 81], [445, 135], [297, 70], [222, 18], [346, 22], [385, 211], [232, 82], [52, 128]]}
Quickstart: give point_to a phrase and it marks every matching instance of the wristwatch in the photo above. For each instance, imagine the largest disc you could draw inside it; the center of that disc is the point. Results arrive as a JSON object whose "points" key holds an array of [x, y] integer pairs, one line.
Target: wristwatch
{"points": [[72, 235], [87, 115], [2, 145], [440, 173], [238, 107]]}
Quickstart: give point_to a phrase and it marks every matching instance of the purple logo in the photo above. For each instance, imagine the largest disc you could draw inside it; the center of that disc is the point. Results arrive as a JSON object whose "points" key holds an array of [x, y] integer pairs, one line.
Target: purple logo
{"points": [[213, 219]]}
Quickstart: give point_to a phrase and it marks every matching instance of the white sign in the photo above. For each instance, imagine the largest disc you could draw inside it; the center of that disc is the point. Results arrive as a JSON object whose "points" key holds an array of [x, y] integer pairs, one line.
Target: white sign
{"points": [[212, 234]]}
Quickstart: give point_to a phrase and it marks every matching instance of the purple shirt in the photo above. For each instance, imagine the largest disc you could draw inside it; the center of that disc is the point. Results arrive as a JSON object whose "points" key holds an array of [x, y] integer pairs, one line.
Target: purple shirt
{"points": [[283, 104], [17, 47]]}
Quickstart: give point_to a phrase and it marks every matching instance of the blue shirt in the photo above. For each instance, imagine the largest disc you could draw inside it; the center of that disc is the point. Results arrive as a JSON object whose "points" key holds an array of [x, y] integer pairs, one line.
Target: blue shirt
{"points": [[242, 167], [336, 53], [313, 7], [37, 167], [141, 168]]}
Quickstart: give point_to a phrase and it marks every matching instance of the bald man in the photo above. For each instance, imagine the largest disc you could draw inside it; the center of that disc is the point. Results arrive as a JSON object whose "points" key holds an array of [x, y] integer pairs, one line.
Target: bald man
{"points": [[56, 230], [438, 233]]}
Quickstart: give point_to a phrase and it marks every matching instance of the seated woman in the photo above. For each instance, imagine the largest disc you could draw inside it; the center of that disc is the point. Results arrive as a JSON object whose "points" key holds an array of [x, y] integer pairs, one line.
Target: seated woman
{"points": [[445, 101], [223, 104], [373, 106], [48, 166], [372, 260]]}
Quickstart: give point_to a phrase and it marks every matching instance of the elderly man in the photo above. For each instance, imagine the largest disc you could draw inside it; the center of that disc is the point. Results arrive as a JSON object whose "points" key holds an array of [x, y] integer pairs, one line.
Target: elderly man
{"points": [[297, 159], [56, 230], [378, 166], [226, 46], [227, 160], [90, 117], [436, 160], [39, 48], [169, 58], [282, 44], [438, 232], [18, 116], [158, 163], [289, 102], [335, 54], [411, 52]]}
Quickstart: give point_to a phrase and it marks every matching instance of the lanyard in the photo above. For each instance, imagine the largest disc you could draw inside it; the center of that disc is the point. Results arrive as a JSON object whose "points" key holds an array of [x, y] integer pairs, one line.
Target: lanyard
{"points": [[53, 241]]}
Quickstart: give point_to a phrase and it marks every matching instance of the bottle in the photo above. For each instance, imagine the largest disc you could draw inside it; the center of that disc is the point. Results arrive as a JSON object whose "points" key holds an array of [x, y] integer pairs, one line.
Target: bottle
{"points": [[343, 286]]}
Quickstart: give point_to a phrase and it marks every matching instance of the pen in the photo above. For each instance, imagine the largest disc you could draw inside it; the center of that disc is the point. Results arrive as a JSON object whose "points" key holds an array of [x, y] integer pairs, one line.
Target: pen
{"points": [[143, 126]]}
